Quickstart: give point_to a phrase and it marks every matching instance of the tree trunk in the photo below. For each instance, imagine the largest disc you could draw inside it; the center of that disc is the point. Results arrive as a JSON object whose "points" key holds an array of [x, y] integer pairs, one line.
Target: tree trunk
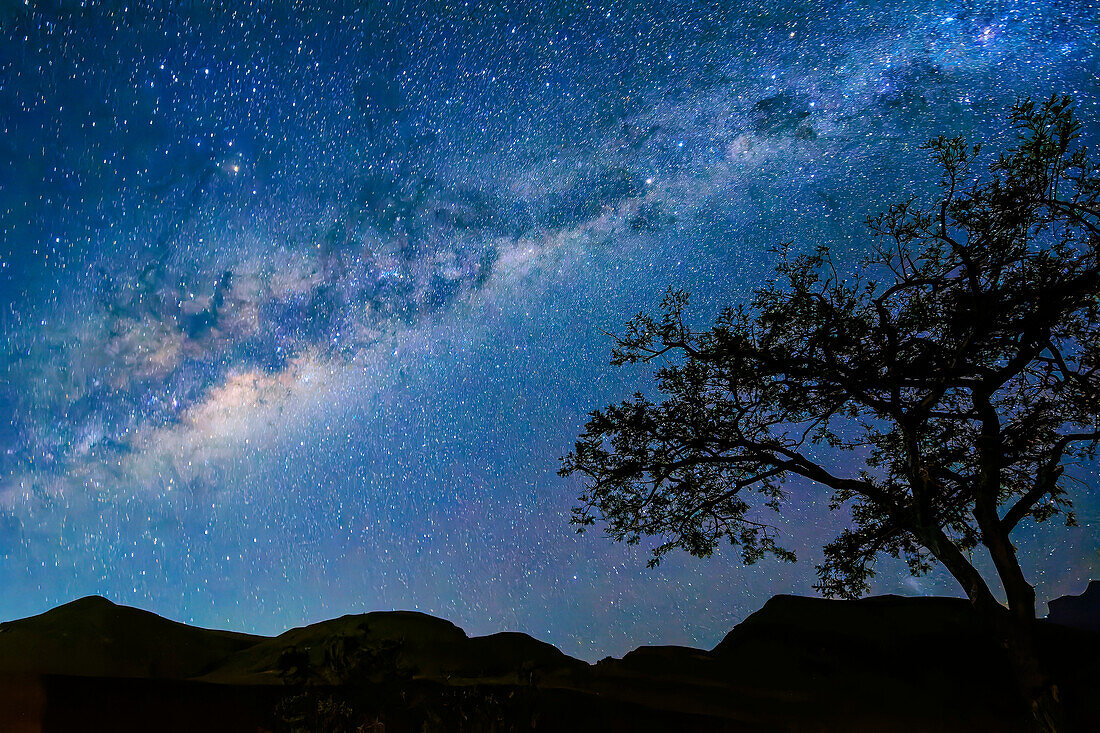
{"points": [[1016, 630], [1015, 633], [1035, 686], [1012, 629]]}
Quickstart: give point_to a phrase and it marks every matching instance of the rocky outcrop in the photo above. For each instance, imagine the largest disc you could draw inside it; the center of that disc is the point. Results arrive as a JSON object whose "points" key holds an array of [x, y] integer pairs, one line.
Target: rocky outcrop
{"points": [[1080, 612]]}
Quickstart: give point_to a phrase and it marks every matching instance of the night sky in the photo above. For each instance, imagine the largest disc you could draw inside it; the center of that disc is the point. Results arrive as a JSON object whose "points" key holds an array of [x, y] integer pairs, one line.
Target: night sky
{"points": [[300, 306]]}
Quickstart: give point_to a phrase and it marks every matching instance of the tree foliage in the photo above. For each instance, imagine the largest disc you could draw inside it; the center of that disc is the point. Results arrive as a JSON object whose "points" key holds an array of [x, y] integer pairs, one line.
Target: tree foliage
{"points": [[956, 369]]}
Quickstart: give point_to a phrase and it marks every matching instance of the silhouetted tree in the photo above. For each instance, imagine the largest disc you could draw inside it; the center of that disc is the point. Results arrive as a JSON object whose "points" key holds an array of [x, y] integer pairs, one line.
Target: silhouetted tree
{"points": [[958, 364]]}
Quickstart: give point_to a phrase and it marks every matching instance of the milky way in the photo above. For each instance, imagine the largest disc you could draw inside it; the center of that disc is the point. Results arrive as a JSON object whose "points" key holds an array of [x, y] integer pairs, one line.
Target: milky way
{"points": [[301, 305]]}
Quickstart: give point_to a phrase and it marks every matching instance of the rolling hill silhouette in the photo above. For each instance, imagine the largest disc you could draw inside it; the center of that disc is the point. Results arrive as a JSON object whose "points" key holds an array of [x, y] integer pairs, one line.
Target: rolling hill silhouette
{"points": [[93, 637], [877, 664]]}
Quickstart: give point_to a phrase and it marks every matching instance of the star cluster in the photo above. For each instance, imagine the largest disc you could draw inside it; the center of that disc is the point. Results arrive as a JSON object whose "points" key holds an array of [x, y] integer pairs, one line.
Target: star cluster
{"points": [[301, 302]]}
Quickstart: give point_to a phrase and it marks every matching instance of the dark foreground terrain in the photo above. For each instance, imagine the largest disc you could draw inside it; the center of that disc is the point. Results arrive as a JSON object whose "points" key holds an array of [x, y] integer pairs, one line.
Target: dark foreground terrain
{"points": [[798, 664]]}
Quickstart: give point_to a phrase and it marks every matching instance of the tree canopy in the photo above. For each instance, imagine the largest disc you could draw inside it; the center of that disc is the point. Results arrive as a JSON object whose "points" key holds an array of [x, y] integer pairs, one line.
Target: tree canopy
{"points": [[940, 390]]}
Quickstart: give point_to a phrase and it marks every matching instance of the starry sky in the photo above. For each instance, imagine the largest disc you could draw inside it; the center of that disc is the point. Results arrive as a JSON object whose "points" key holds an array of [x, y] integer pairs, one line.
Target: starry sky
{"points": [[301, 304]]}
